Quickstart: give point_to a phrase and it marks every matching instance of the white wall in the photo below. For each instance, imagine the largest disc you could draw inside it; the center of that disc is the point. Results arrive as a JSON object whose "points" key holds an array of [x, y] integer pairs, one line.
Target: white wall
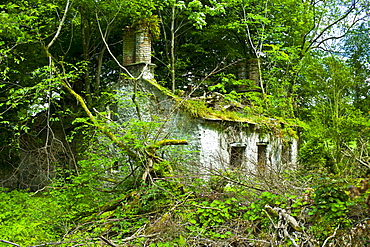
{"points": [[213, 148], [209, 140], [215, 145]]}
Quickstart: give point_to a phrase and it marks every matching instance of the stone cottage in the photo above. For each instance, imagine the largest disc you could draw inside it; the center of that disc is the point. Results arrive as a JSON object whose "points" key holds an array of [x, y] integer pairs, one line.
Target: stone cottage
{"points": [[215, 141]]}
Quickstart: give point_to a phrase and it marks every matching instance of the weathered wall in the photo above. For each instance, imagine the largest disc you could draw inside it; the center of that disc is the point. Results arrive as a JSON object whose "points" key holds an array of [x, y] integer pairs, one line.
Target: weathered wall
{"points": [[210, 141], [143, 46], [136, 45], [217, 140], [156, 106], [128, 46]]}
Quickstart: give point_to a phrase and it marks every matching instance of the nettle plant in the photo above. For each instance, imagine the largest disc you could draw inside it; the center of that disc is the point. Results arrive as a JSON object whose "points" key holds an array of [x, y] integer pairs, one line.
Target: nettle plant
{"points": [[331, 205]]}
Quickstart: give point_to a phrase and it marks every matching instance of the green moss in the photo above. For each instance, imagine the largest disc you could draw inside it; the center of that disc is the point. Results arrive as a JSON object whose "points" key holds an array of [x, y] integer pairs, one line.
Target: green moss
{"points": [[196, 108], [164, 90], [199, 109]]}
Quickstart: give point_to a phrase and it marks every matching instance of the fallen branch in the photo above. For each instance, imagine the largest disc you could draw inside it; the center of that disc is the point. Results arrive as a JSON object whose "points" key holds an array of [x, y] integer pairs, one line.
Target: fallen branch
{"points": [[139, 236], [330, 237], [158, 224], [107, 241], [166, 142], [7, 242], [283, 214]]}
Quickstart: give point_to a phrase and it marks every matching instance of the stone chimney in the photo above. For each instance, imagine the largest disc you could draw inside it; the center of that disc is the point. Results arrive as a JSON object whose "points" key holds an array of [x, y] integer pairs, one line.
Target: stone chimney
{"points": [[248, 69], [128, 46], [242, 71], [137, 49], [253, 71], [143, 46]]}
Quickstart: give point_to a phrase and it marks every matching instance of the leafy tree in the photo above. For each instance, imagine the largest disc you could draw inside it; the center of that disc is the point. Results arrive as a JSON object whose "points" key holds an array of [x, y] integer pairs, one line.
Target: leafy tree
{"points": [[355, 48], [335, 121], [58, 64]]}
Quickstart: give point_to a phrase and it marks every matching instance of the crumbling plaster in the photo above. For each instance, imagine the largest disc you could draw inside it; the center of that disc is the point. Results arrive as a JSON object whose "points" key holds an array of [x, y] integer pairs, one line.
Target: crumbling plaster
{"points": [[210, 140]]}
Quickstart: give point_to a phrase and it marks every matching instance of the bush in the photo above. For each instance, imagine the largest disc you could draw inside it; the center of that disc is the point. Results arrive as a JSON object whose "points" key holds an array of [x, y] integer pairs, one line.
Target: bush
{"points": [[26, 219]]}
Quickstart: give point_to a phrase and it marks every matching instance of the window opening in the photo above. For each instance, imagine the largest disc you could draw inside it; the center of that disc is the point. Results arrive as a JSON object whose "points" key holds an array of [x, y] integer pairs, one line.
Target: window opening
{"points": [[237, 153], [287, 152], [262, 157], [114, 113]]}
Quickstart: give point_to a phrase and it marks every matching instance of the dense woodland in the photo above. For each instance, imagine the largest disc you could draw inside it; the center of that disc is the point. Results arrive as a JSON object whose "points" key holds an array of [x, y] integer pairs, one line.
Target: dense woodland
{"points": [[59, 61]]}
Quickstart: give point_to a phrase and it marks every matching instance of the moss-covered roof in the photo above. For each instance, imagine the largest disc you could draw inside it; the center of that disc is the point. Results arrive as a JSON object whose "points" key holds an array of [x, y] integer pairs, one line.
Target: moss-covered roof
{"points": [[197, 108]]}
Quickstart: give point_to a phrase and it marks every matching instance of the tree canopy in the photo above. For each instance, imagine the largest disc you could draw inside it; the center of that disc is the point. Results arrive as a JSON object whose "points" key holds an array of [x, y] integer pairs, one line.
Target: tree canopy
{"points": [[303, 63]]}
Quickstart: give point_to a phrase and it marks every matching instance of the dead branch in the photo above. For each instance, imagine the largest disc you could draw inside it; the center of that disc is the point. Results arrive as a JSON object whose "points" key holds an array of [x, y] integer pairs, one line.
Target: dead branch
{"points": [[284, 215], [330, 237], [139, 236], [107, 241], [7, 242]]}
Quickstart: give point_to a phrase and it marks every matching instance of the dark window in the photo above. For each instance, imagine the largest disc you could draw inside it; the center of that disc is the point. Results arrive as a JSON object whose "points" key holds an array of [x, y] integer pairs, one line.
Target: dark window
{"points": [[286, 155], [261, 160], [114, 112], [237, 152]]}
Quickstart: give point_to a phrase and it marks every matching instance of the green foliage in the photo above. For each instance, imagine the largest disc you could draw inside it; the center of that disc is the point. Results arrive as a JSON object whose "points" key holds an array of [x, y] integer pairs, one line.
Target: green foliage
{"points": [[333, 119], [28, 219], [216, 212], [180, 242], [103, 193], [256, 210], [331, 206]]}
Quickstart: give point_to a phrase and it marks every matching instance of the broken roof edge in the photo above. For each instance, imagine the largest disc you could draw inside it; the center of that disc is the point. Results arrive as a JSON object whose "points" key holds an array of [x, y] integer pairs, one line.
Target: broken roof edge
{"points": [[163, 89], [200, 110], [228, 120]]}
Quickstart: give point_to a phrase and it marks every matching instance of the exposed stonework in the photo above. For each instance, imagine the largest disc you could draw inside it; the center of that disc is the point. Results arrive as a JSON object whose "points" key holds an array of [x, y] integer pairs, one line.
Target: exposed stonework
{"points": [[143, 46], [137, 50], [214, 143], [137, 46], [253, 71], [242, 71], [128, 46], [248, 69]]}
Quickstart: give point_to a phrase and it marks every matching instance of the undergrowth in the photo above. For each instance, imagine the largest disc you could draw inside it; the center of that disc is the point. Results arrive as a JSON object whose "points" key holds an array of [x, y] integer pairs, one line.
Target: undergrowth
{"points": [[166, 214]]}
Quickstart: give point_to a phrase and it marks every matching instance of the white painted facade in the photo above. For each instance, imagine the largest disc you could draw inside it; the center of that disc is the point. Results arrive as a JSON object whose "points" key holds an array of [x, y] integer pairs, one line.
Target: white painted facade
{"points": [[217, 144], [214, 143]]}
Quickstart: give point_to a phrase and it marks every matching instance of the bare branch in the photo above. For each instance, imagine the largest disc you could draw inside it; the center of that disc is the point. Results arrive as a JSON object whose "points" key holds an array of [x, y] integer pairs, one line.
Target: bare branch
{"points": [[110, 52], [315, 39], [60, 25], [107, 241], [7, 242], [330, 237]]}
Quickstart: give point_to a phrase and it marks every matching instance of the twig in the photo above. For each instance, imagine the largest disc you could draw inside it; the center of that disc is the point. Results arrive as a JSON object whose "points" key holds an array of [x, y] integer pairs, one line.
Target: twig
{"points": [[286, 233], [330, 237], [268, 215], [288, 218], [254, 240], [107, 241], [64, 242], [7, 242], [242, 184], [110, 52], [139, 236]]}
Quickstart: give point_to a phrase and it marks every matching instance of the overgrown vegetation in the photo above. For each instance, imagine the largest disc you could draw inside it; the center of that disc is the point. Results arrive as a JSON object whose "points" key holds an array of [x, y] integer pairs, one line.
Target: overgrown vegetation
{"points": [[83, 163], [87, 212]]}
